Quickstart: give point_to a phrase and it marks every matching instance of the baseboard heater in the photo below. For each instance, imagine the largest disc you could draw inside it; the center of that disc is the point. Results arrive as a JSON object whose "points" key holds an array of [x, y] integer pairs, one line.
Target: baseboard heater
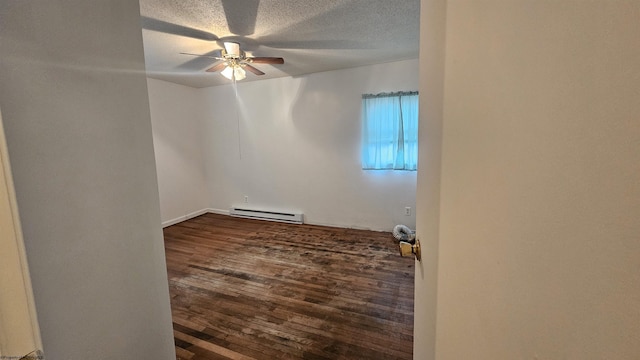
{"points": [[267, 215]]}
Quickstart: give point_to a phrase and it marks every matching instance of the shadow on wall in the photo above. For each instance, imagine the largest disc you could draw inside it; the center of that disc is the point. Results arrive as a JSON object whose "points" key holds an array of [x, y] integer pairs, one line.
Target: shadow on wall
{"points": [[324, 115]]}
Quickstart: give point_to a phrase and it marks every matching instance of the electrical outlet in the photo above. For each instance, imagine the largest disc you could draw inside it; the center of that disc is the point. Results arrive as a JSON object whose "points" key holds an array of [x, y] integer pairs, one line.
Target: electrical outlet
{"points": [[407, 211], [246, 199]]}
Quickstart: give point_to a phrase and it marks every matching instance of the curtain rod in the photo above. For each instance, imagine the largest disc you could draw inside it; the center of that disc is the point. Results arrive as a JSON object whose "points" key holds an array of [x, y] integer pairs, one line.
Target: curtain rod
{"points": [[398, 93]]}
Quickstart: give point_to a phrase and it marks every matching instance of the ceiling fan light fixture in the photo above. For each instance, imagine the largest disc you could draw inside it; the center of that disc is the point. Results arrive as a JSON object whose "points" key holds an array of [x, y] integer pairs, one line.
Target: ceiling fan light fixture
{"points": [[239, 73], [234, 63], [234, 71]]}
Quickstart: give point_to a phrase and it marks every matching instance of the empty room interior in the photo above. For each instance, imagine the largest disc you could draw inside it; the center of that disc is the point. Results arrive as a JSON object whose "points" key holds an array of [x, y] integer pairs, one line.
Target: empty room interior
{"points": [[271, 148], [333, 179], [285, 144]]}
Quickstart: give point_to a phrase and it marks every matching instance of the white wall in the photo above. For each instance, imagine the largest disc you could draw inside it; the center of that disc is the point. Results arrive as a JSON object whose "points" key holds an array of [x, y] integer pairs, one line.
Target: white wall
{"points": [[176, 119], [298, 147], [75, 109], [539, 255]]}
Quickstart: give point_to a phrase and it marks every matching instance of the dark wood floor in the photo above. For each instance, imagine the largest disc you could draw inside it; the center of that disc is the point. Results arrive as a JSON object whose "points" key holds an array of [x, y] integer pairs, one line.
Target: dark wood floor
{"points": [[250, 289]]}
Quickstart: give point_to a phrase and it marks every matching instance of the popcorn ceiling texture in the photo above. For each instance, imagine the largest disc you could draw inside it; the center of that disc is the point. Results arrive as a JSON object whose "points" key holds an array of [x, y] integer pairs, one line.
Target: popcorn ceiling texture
{"points": [[311, 35]]}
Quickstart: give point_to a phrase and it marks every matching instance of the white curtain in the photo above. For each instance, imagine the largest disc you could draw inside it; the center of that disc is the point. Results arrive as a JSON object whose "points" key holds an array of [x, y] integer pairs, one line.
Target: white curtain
{"points": [[390, 131]]}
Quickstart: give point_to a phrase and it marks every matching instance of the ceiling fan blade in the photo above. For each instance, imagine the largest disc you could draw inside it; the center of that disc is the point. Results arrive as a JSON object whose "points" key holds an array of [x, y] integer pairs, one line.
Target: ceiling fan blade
{"points": [[201, 55], [241, 15], [253, 70], [217, 67], [266, 60], [175, 29]]}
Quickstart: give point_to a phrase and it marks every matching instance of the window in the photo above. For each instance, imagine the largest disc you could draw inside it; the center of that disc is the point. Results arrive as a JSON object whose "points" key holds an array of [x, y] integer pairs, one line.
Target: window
{"points": [[390, 131]]}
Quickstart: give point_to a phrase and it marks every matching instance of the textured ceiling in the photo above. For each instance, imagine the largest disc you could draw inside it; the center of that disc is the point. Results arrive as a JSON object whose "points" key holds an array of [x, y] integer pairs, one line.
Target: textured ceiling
{"points": [[311, 35]]}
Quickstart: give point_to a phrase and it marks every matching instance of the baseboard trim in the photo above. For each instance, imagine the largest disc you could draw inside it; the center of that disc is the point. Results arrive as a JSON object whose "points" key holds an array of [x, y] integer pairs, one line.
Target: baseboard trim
{"points": [[342, 226], [219, 211], [185, 217], [226, 212]]}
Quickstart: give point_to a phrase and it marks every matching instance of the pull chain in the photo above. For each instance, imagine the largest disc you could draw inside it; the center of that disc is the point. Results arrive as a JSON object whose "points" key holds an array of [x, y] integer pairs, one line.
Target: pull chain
{"points": [[235, 88]]}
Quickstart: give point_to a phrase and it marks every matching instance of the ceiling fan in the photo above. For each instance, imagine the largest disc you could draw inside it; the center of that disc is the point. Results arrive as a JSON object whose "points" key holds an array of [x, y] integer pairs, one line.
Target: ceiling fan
{"points": [[234, 62]]}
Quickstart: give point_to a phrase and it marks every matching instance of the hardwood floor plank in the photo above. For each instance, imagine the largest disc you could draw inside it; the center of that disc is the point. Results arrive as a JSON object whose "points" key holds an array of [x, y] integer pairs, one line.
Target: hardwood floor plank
{"points": [[213, 350], [249, 289], [182, 354]]}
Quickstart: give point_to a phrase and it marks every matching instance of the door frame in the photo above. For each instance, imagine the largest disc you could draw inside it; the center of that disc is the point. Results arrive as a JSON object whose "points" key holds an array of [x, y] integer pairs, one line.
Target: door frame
{"points": [[19, 329]]}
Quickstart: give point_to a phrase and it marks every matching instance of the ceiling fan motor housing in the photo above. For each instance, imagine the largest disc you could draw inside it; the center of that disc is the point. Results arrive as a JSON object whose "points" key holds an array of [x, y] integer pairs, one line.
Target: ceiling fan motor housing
{"points": [[232, 50]]}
